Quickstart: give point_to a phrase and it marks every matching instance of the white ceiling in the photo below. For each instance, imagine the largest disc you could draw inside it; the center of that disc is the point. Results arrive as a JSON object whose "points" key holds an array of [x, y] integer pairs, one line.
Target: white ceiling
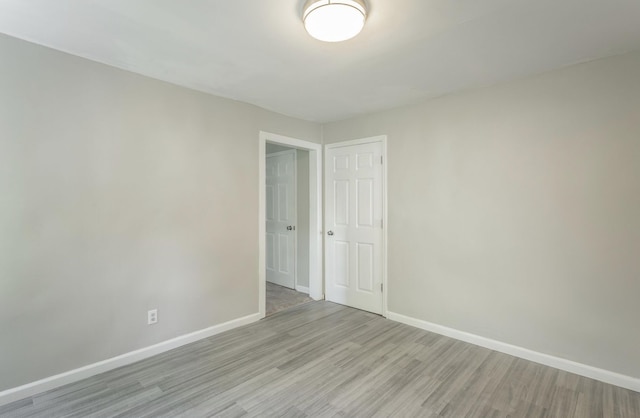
{"points": [[257, 51]]}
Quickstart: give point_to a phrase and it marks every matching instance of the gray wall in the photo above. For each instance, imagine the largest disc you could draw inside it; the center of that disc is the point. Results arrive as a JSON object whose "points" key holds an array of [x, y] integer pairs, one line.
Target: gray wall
{"points": [[514, 211], [119, 194], [302, 205]]}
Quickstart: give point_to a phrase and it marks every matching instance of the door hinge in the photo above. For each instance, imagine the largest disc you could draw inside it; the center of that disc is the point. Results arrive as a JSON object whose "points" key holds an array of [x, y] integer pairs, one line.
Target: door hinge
{"points": [[381, 287], [381, 159]]}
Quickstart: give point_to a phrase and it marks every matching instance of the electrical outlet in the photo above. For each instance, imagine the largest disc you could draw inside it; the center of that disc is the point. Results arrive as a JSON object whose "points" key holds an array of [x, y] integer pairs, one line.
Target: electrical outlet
{"points": [[152, 317]]}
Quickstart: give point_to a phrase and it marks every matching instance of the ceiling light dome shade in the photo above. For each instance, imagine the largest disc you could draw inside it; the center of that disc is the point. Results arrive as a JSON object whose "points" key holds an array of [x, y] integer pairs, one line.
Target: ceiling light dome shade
{"points": [[334, 20]]}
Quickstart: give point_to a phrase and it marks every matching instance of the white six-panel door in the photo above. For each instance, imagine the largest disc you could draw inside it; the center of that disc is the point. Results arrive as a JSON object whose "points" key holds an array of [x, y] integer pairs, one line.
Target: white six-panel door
{"points": [[353, 224], [281, 218]]}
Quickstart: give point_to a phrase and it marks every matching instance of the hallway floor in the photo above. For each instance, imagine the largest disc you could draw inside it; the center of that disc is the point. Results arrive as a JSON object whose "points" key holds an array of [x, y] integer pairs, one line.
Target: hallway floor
{"points": [[280, 298]]}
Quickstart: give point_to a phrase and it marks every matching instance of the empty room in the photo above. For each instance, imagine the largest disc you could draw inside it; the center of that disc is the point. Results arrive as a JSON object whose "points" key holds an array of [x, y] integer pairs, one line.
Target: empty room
{"points": [[320, 208]]}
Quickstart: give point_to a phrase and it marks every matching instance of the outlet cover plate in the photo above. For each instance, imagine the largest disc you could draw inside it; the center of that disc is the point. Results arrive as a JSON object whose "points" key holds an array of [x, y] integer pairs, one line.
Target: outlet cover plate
{"points": [[152, 317]]}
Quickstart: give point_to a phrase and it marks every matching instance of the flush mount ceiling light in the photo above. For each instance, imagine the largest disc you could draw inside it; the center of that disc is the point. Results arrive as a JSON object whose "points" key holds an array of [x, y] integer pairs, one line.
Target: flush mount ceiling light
{"points": [[334, 20]]}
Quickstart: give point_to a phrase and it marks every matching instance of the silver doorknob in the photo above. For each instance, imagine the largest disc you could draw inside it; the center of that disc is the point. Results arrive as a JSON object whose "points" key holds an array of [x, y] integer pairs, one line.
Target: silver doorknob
{"points": [[330, 233], [291, 228]]}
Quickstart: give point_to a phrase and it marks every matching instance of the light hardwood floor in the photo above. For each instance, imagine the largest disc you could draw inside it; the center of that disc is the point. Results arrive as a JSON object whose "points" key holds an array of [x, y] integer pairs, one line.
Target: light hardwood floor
{"points": [[323, 360]]}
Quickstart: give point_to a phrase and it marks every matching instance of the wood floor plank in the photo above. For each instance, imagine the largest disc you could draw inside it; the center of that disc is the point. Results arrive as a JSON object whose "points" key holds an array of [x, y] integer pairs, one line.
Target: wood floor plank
{"points": [[320, 359]]}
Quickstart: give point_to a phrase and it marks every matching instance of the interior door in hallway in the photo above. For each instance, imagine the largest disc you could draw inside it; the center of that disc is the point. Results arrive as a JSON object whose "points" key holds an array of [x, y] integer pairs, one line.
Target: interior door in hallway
{"points": [[281, 218], [353, 224]]}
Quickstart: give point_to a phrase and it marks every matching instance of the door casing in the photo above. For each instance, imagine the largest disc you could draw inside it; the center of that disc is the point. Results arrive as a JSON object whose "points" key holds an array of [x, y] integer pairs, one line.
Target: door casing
{"points": [[316, 286]]}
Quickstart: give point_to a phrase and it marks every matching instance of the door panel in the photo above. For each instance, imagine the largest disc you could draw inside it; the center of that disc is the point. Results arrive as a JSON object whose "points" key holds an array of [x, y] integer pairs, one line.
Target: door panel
{"points": [[281, 214], [341, 210], [365, 267], [341, 270], [353, 244], [365, 203]]}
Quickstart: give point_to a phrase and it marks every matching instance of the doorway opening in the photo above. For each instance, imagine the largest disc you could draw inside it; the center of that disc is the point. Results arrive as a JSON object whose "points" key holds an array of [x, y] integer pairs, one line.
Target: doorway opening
{"points": [[290, 241]]}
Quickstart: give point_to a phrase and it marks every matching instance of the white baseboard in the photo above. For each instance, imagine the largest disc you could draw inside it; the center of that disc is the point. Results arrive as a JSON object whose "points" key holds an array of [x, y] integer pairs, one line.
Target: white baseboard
{"points": [[302, 289], [71, 376], [602, 375]]}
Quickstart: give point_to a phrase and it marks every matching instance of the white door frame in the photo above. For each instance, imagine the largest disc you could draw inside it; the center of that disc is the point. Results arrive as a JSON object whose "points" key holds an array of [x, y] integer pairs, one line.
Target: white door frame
{"points": [[383, 140], [315, 214]]}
